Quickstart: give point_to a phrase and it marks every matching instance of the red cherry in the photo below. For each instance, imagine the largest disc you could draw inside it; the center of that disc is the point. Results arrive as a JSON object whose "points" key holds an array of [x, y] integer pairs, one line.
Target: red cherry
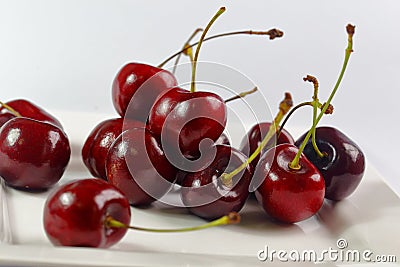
{"points": [[33, 154], [143, 83], [137, 165], [256, 134], [97, 144], [75, 214], [207, 195], [286, 194], [4, 117], [182, 119], [29, 110]]}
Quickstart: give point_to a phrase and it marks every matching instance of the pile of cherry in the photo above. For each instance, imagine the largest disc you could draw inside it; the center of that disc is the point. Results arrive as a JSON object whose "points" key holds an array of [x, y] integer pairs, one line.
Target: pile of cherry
{"points": [[156, 145]]}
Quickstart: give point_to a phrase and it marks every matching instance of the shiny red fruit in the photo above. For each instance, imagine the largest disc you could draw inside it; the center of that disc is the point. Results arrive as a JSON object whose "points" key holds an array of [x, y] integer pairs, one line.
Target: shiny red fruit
{"points": [[344, 165], [285, 194], [75, 213], [206, 195], [33, 154], [137, 165], [181, 120], [29, 110], [97, 144], [142, 84], [252, 140]]}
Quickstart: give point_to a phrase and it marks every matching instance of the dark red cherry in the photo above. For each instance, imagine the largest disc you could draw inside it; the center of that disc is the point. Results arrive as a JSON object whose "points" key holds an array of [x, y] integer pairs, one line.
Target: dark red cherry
{"points": [[343, 166], [181, 120], [207, 195], [97, 144], [75, 214], [256, 134], [142, 84], [33, 154], [285, 194], [4, 117], [223, 140], [137, 165], [29, 110]]}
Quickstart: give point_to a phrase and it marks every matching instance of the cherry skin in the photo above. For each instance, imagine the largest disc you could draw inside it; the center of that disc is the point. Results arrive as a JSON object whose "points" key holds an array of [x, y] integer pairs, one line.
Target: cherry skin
{"points": [[285, 194], [256, 134], [182, 119], [75, 213], [4, 117], [97, 144], [137, 165], [223, 140], [143, 83], [204, 193], [33, 154], [344, 165], [29, 110]]}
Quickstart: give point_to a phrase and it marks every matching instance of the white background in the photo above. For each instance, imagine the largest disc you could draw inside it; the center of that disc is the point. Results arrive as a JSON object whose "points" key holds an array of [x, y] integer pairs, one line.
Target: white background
{"points": [[63, 55]]}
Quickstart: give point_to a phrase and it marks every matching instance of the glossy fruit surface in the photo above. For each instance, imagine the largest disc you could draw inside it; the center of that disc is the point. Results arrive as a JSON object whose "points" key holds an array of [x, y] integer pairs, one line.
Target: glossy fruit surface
{"points": [[344, 165], [207, 196], [33, 154], [4, 117], [29, 110], [137, 165], [256, 134], [75, 213], [181, 120], [97, 144], [143, 83], [288, 195]]}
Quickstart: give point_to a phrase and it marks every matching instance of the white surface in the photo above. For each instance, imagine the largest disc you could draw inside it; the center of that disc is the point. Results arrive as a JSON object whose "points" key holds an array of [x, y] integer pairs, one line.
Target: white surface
{"points": [[64, 55], [367, 220]]}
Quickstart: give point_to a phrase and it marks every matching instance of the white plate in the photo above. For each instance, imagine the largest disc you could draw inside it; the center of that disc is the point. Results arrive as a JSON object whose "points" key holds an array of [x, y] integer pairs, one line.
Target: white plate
{"points": [[368, 220]]}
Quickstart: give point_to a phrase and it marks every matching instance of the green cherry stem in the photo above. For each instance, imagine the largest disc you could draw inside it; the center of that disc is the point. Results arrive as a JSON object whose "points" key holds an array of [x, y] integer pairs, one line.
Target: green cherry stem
{"points": [[231, 218], [10, 109], [196, 54], [272, 33], [284, 107], [241, 95], [315, 103], [295, 165], [186, 50]]}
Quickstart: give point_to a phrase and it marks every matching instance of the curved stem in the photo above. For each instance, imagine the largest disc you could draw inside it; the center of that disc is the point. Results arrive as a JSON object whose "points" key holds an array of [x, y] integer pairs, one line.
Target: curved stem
{"points": [[241, 95], [231, 218], [187, 50], [196, 55], [350, 32], [10, 109], [284, 107], [272, 33], [290, 114]]}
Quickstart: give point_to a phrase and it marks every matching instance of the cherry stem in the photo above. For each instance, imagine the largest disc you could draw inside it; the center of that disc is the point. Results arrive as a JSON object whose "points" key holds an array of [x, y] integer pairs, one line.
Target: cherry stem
{"points": [[295, 164], [272, 33], [241, 95], [10, 109], [187, 50], [196, 54], [231, 218], [315, 103], [284, 107]]}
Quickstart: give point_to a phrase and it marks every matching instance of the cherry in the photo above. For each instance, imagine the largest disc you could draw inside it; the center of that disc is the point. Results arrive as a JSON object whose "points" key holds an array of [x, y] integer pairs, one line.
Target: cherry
{"points": [[286, 194], [97, 144], [28, 109], [209, 196], [342, 165], [223, 139], [136, 87], [4, 117], [183, 119], [75, 213], [94, 213], [256, 134], [137, 165], [33, 154]]}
